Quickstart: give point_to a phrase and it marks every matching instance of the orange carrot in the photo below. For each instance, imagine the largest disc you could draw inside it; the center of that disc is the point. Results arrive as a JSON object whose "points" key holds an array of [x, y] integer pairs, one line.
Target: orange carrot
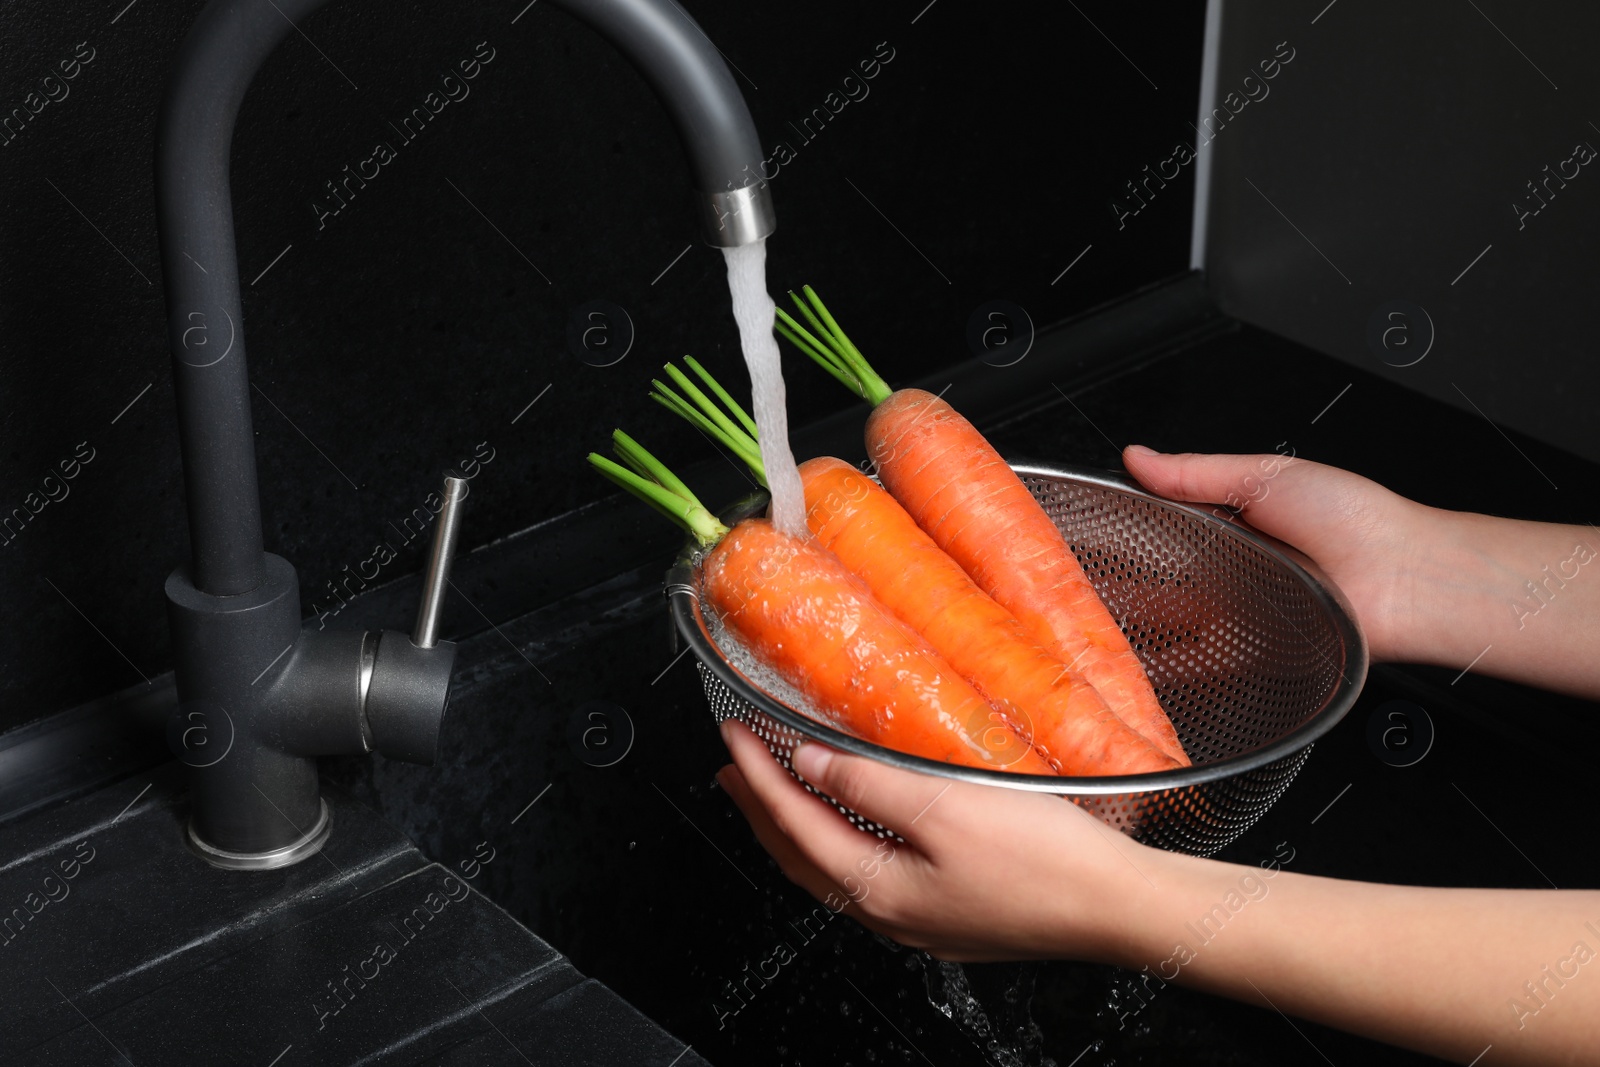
{"points": [[967, 498], [1055, 707], [809, 619]]}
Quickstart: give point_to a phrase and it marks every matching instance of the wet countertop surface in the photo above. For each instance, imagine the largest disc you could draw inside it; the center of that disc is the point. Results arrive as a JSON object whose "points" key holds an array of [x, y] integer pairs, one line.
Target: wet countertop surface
{"points": [[575, 792]]}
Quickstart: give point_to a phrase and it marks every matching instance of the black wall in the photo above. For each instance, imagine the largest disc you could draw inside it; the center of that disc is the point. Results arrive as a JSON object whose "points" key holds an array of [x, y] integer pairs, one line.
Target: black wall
{"points": [[1378, 198], [407, 332]]}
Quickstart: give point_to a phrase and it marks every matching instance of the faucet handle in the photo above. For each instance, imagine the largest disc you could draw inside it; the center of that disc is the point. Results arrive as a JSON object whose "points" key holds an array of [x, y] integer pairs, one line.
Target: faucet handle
{"points": [[408, 691], [426, 632]]}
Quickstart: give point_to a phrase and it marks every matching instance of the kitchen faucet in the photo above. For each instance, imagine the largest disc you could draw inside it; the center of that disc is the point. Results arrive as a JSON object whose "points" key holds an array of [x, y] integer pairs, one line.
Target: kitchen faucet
{"points": [[272, 695]]}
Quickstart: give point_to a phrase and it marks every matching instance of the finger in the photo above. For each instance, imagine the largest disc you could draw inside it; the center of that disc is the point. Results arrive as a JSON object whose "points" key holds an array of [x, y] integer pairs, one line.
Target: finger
{"points": [[791, 861], [796, 867], [939, 818], [1293, 499], [823, 835]]}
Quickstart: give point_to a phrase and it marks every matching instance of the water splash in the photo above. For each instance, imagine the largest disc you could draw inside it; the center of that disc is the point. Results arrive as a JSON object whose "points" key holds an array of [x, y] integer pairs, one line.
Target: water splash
{"points": [[753, 310], [1010, 1038]]}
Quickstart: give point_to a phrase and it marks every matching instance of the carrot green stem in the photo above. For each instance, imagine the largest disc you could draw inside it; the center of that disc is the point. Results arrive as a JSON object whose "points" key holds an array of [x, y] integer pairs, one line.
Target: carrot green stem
{"points": [[634, 455], [663, 395], [632, 464], [677, 504], [816, 323], [857, 360], [843, 359], [711, 420], [722, 394], [823, 356], [642, 488], [703, 402]]}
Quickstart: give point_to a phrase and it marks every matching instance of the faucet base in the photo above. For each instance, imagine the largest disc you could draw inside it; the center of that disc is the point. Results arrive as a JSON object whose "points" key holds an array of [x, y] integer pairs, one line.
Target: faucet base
{"points": [[290, 854]]}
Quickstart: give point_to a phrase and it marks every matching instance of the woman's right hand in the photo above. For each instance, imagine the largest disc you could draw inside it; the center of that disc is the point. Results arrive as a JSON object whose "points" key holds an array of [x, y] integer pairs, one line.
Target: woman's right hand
{"points": [[1371, 542], [980, 872]]}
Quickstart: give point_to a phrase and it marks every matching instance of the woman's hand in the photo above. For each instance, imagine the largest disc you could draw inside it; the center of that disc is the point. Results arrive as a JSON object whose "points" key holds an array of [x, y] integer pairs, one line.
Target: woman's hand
{"points": [[1379, 548], [985, 873], [990, 873], [993, 873], [1504, 597]]}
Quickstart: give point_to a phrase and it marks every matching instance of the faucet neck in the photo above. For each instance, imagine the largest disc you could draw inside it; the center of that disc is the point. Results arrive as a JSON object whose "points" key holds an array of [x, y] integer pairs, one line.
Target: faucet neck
{"points": [[194, 216], [200, 271]]}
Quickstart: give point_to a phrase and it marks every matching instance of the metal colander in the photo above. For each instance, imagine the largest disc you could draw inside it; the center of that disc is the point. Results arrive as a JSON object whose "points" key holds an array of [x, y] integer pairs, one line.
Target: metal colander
{"points": [[1252, 652]]}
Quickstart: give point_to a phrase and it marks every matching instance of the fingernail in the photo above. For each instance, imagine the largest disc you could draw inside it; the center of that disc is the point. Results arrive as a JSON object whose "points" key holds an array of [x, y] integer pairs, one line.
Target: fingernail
{"points": [[812, 760], [1141, 450]]}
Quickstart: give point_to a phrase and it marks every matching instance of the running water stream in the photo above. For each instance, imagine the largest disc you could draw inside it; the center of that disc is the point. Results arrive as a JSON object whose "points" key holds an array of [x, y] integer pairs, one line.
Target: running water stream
{"points": [[753, 309]]}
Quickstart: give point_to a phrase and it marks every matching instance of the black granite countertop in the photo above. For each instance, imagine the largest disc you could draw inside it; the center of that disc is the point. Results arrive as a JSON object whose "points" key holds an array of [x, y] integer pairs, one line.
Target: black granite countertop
{"points": [[118, 946]]}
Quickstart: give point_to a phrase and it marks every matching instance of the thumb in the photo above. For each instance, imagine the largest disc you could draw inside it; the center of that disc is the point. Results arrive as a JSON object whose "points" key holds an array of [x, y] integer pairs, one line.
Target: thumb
{"points": [[1328, 513], [903, 801], [1235, 481]]}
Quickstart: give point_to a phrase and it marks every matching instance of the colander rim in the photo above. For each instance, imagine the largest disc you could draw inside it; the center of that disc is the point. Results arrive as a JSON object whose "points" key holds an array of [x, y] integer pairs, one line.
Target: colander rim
{"points": [[684, 606]]}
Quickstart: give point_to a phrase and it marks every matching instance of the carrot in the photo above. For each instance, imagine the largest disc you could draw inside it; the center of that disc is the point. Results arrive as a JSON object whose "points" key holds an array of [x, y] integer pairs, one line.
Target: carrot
{"points": [[960, 490], [872, 534], [1055, 708], [809, 619]]}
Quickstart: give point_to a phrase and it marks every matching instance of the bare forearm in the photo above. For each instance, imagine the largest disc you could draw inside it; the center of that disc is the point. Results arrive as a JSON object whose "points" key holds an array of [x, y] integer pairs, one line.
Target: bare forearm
{"points": [[1517, 600], [1444, 971]]}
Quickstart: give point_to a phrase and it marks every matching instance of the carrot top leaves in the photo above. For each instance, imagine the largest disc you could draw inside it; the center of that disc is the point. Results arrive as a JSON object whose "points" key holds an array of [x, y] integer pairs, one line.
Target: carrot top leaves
{"points": [[830, 347], [649, 479], [722, 394], [702, 412], [720, 417]]}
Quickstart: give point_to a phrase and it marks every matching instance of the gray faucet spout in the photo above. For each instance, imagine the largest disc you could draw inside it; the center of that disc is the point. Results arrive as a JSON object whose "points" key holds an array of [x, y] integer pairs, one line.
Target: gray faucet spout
{"points": [[234, 613]]}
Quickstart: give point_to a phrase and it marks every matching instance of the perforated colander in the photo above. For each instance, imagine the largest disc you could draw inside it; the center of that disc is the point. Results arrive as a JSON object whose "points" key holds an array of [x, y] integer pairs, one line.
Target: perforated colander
{"points": [[1252, 652]]}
